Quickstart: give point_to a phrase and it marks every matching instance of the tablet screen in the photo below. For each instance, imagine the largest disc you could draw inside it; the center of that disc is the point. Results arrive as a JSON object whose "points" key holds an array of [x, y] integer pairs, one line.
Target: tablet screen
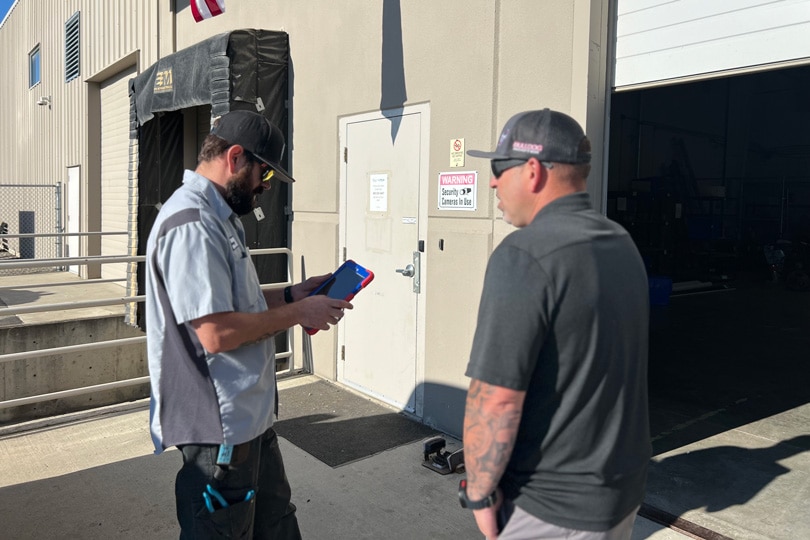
{"points": [[342, 284]]}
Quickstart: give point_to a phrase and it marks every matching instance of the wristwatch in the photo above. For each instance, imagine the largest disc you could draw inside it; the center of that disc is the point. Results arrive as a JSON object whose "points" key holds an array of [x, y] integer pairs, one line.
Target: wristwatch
{"points": [[288, 297], [486, 502]]}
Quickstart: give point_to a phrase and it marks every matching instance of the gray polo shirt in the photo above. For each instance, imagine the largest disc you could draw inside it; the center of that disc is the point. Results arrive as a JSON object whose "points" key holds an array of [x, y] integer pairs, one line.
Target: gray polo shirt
{"points": [[197, 264], [564, 316]]}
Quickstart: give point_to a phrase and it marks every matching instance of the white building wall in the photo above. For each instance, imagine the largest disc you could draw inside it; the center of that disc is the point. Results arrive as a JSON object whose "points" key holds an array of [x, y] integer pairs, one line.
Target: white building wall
{"points": [[662, 40]]}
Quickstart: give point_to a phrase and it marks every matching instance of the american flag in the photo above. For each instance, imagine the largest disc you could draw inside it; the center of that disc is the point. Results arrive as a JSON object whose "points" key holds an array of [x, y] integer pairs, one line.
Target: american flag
{"points": [[205, 9]]}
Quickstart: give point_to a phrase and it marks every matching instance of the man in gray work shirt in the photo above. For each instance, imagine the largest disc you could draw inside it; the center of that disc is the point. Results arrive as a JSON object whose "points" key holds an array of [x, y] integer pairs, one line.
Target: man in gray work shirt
{"points": [[556, 429], [209, 324]]}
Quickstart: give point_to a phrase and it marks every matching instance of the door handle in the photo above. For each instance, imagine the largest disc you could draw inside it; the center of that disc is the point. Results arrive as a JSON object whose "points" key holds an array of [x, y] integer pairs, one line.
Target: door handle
{"points": [[407, 271], [414, 271]]}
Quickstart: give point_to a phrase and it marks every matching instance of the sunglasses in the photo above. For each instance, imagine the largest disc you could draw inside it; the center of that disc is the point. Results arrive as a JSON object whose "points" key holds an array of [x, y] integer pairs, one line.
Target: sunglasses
{"points": [[500, 166], [264, 168], [267, 172]]}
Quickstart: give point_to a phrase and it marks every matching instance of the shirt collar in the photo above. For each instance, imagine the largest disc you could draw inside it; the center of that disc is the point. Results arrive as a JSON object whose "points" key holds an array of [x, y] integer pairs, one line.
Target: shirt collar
{"points": [[208, 190], [575, 202]]}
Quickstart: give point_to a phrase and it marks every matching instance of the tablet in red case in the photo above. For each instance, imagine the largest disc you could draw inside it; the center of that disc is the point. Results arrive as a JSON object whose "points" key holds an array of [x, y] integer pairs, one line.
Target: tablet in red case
{"points": [[344, 284]]}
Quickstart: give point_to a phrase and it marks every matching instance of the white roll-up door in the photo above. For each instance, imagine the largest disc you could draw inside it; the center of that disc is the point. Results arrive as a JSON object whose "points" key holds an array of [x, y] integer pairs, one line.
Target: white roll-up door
{"points": [[666, 40], [115, 170]]}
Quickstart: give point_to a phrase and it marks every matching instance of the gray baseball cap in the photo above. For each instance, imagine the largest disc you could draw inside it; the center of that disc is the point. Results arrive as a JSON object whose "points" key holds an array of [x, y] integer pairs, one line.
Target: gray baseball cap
{"points": [[546, 135], [257, 135]]}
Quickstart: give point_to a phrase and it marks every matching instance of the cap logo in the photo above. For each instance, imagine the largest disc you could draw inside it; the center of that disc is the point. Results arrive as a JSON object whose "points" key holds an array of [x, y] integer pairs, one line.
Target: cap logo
{"points": [[504, 135], [528, 148]]}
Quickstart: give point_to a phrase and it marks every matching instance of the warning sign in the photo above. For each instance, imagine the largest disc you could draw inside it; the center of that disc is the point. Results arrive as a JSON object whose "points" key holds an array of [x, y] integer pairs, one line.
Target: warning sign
{"points": [[457, 190], [456, 152]]}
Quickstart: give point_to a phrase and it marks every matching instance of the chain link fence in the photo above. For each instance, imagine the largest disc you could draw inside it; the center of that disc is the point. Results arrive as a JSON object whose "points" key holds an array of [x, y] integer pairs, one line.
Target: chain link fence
{"points": [[30, 209]]}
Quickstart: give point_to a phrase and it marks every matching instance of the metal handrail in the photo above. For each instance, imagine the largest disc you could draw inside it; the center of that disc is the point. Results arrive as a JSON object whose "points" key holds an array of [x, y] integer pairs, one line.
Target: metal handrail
{"points": [[73, 261], [87, 347], [43, 308], [49, 235], [94, 281], [110, 343], [71, 349], [72, 392]]}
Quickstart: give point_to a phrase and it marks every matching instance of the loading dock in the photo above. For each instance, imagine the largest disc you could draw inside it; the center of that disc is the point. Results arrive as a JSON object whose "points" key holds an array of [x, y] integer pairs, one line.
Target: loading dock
{"points": [[712, 180]]}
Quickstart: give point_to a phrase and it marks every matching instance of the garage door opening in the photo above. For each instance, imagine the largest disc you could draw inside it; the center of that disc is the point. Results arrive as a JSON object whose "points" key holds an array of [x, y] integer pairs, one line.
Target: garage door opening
{"points": [[712, 180]]}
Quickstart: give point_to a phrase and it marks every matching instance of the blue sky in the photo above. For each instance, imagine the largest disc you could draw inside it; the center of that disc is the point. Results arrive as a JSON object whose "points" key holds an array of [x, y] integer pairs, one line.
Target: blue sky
{"points": [[4, 5]]}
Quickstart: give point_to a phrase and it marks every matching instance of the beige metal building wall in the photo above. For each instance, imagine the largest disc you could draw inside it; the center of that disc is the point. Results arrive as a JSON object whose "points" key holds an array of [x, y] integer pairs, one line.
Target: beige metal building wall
{"points": [[470, 63], [475, 63], [39, 143], [31, 152]]}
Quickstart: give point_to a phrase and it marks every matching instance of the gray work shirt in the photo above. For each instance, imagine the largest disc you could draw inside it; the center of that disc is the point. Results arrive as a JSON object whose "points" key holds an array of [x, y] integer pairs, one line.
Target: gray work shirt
{"points": [[197, 264], [564, 316]]}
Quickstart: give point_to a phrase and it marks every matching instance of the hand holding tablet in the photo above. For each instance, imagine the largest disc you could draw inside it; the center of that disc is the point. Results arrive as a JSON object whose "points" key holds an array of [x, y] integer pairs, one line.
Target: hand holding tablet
{"points": [[344, 284]]}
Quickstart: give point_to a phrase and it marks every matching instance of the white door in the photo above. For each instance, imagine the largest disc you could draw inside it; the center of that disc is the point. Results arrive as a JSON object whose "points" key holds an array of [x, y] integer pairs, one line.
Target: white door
{"points": [[73, 194], [383, 217]]}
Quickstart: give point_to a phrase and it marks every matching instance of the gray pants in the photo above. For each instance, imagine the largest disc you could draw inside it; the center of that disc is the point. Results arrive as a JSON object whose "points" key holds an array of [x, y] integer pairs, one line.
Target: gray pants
{"points": [[520, 525]]}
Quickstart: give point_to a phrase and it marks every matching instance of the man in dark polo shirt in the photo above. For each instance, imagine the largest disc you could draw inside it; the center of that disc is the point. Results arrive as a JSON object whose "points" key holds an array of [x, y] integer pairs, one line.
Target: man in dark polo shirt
{"points": [[556, 430]]}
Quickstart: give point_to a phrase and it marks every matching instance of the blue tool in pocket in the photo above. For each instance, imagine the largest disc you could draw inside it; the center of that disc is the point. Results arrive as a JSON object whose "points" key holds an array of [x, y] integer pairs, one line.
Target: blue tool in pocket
{"points": [[212, 498]]}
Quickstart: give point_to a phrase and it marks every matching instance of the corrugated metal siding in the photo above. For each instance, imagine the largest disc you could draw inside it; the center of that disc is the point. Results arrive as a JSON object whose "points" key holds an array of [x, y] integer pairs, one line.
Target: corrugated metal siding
{"points": [[663, 39], [38, 130], [110, 30], [74, 97], [39, 143], [119, 27]]}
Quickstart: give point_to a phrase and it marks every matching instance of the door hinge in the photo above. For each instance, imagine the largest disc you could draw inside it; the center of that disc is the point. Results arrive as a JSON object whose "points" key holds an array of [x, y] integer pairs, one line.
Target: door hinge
{"points": [[343, 352], [344, 254], [345, 154]]}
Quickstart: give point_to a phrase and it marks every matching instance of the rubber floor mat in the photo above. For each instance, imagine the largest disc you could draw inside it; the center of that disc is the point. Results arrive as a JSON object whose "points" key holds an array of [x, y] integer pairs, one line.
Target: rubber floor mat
{"points": [[337, 426]]}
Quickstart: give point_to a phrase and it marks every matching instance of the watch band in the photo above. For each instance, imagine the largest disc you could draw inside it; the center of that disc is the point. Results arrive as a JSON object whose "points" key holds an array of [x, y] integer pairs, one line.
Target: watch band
{"points": [[486, 502], [288, 297]]}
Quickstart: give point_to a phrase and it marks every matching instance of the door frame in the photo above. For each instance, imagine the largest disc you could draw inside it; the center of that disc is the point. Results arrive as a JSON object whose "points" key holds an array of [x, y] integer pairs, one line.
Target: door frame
{"points": [[422, 109], [73, 213]]}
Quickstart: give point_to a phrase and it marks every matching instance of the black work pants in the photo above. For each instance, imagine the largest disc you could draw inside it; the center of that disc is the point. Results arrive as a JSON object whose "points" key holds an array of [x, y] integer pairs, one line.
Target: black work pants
{"points": [[255, 465]]}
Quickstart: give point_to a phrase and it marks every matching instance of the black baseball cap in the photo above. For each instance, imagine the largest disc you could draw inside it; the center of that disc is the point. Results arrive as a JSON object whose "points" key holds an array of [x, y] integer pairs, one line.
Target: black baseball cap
{"points": [[257, 135], [546, 135]]}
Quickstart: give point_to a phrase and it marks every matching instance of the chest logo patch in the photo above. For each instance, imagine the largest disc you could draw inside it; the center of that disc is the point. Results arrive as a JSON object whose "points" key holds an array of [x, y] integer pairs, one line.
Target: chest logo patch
{"points": [[234, 244]]}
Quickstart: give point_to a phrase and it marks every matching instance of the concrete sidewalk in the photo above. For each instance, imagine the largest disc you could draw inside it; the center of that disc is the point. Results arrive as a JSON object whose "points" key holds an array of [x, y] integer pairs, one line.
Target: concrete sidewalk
{"points": [[27, 290], [95, 477]]}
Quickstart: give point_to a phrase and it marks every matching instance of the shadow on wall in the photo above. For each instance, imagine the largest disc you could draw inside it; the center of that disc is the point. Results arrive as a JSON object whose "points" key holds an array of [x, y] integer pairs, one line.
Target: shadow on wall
{"points": [[444, 407], [393, 94]]}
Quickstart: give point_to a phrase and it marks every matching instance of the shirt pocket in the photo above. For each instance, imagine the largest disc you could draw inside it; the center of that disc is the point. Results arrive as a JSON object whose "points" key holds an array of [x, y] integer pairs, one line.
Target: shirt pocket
{"points": [[247, 292]]}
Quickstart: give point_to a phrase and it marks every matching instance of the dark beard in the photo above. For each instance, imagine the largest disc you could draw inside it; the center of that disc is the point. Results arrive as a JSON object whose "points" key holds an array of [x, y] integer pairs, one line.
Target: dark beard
{"points": [[238, 194]]}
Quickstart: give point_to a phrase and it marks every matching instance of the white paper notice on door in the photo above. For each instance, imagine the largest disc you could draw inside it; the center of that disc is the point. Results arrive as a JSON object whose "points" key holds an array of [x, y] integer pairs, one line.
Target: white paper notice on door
{"points": [[378, 193]]}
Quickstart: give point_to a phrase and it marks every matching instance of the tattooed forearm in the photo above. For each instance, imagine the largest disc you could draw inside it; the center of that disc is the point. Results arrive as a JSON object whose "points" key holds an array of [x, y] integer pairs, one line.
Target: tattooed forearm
{"points": [[491, 421]]}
